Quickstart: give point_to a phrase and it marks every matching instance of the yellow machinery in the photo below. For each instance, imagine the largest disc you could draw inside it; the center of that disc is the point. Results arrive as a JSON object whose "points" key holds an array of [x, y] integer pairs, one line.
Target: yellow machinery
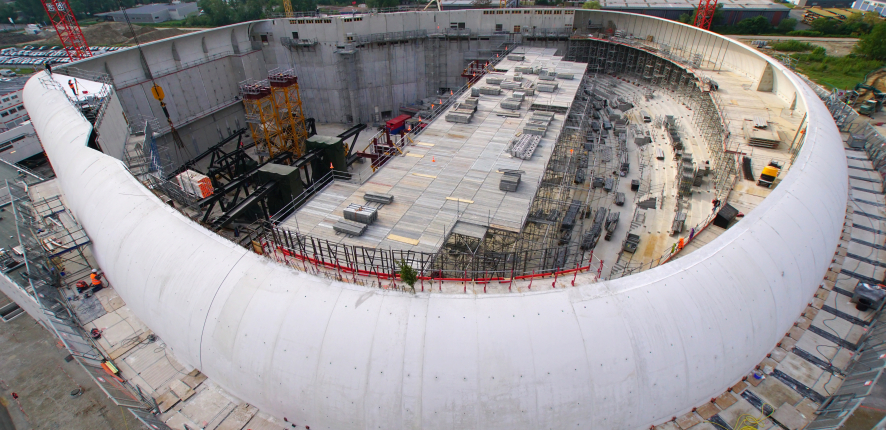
{"points": [[287, 8], [274, 114], [768, 175]]}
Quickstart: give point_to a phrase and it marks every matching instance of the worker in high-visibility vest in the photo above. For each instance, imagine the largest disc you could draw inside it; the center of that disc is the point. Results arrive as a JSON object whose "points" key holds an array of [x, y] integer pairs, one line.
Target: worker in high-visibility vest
{"points": [[73, 89], [96, 279]]}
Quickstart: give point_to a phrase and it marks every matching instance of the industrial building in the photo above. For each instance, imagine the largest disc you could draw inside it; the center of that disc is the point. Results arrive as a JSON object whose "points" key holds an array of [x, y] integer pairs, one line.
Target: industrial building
{"points": [[497, 218], [871, 5], [733, 10], [154, 13]]}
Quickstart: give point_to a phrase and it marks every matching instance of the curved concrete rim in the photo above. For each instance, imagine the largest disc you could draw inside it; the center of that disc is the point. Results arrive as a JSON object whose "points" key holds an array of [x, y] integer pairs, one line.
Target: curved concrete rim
{"points": [[626, 353]]}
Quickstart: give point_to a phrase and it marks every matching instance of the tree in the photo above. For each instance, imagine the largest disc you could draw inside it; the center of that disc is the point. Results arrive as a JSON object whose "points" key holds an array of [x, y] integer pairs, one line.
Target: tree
{"points": [[756, 25], [408, 274], [873, 44], [825, 25], [591, 5], [689, 18], [31, 10], [786, 25], [381, 4]]}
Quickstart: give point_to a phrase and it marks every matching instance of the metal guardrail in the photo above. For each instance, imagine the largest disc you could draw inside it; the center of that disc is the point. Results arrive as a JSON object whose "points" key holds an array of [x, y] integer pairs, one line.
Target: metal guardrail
{"points": [[862, 375]]}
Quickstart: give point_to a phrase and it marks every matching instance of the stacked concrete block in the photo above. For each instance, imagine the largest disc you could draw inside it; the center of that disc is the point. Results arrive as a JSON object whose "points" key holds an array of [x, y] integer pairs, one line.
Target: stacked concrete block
{"points": [[511, 85], [494, 80], [361, 213], [568, 76], [490, 91], [524, 70], [511, 104], [509, 181], [546, 87], [516, 57]]}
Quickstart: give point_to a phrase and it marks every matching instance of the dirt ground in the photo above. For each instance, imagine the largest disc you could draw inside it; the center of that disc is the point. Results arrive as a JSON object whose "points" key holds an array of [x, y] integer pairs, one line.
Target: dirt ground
{"points": [[836, 47], [117, 33], [875, 79], [14, 38]]}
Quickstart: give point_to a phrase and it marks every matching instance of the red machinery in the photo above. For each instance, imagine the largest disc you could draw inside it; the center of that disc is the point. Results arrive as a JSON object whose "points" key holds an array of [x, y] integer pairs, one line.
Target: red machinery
{"points": [[705, 14], [68, 29]]}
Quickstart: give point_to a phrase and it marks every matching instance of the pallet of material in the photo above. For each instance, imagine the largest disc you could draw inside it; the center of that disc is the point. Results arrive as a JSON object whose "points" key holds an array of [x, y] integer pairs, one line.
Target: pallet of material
{"points": [[510, 104], [524, 69], [506, 114], [378, 198], [475, 92], [458, 118], [545, 87], [524, 146], [491, 91], [518, 95], [567, 76], [361, 213], [352, 228], [494, 80], [761, 137], [472, 101], [516, 57]]}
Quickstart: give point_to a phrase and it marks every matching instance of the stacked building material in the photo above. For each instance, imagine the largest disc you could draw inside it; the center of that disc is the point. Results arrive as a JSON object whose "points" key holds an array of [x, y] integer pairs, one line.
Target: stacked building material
{"points": [[472, 102], [195, 184], [687, 174], [546, 75], [361, 213], [524, 70], [379, 198], [538, 123], [511, 104], [510, 180], [763, 138], [458, 118], [524, 146], [490, 91], [351, 228], [516, 57], [547, 87], [511, 85], [494, 80], [568, 76]]}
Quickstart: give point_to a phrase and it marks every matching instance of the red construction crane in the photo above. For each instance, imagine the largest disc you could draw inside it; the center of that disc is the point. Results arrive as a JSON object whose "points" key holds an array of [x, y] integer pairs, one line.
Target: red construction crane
{"points": [[68, 29], [705, 14]]}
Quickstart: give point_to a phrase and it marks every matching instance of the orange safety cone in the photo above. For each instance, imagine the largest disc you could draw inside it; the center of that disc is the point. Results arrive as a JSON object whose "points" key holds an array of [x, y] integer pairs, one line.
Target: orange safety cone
{"points": [[433, 160]]}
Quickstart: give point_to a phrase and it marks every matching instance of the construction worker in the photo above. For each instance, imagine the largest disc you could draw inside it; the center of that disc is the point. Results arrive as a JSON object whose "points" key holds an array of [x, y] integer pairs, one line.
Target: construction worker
{"points": [[96, 279], [71, 84]]}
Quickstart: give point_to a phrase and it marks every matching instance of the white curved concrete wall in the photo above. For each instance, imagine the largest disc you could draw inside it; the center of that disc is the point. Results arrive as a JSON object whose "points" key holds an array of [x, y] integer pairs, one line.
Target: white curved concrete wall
{"points": [[620, 354]]}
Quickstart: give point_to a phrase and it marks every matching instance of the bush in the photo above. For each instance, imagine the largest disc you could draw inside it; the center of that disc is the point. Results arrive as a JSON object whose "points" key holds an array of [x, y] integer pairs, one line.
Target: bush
{"points": [[805, 33], [873, 45], [786, 25], [793, 46], [408, 274], [591, 5]]}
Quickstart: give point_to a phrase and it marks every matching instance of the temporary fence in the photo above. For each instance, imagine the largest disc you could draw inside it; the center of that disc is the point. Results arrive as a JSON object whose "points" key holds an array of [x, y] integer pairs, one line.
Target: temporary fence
{"points": [[385, 264]]}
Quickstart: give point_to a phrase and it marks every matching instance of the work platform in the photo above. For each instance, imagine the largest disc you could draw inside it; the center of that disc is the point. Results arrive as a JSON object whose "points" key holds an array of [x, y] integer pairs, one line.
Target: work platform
{"points": [[452, 171]]}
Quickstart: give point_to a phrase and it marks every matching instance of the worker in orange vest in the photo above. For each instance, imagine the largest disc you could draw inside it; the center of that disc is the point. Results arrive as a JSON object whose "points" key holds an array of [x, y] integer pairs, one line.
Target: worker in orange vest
{"points": [[73, 89], [96, 279]]}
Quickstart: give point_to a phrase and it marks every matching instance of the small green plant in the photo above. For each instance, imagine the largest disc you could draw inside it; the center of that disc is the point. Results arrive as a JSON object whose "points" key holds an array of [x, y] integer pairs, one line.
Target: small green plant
{"points": [[408, 274], [591, 5]]}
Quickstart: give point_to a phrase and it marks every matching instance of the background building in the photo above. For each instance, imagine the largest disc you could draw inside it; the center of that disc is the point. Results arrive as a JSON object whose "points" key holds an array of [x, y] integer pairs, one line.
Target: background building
{"points": [[154, 13], [878, 6]]}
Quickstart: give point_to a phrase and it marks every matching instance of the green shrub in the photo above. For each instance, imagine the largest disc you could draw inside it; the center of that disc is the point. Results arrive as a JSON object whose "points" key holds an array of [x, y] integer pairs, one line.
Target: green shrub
{"points": [[793, 46], [805, 33]]}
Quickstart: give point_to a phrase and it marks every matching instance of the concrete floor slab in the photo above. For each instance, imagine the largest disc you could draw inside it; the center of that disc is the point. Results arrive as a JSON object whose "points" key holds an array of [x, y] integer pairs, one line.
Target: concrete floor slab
{"points": [[800, 369], [774, 392], [742, 407], [34, 367], [789, 417]]}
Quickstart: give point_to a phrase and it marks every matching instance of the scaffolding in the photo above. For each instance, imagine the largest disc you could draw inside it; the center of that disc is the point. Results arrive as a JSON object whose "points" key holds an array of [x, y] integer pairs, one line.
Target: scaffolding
{"points": [[288, 113], [258, 102]]}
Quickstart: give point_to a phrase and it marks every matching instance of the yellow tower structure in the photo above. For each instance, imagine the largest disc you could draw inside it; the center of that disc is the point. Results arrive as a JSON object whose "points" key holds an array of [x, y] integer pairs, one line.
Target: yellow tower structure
{"points": [[287, 8], [289, 116], [259, 104]]}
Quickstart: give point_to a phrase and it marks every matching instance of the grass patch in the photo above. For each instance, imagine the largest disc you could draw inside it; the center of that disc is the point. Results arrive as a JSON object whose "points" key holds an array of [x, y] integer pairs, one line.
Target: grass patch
{"points": [[839, 72], [792, 46]]}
